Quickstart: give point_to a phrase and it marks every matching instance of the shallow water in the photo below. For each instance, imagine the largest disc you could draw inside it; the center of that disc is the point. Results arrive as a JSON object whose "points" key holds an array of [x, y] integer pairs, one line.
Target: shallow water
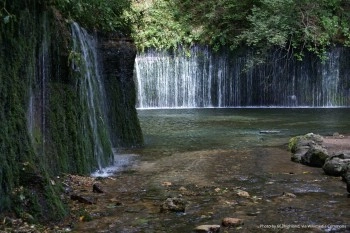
{"points": [[207, 155]]}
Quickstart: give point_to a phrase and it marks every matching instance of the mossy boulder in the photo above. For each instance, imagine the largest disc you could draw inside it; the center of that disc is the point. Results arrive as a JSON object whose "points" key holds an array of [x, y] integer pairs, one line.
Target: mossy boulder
{"points": [[295, 143], [307, 149]]}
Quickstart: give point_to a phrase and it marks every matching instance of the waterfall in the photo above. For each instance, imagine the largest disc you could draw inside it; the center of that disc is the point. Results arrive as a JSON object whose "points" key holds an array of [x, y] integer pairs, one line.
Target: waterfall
{"points": [[39, 76], [92, 94], [203, 78]]}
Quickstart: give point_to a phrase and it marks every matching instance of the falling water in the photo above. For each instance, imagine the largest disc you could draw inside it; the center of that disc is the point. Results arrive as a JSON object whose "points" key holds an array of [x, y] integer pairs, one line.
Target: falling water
{"points": [[84, 62], [203, 78], [36, 113]]}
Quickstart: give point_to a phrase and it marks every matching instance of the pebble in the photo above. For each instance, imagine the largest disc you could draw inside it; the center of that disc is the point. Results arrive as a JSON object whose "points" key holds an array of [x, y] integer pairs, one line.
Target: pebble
{"points": [[207, 229]]}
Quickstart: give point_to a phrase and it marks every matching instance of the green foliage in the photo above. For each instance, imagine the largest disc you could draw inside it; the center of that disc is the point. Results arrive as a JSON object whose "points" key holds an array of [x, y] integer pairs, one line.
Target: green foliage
{"points": [[159, 25], [292, 25], [107, 15]]}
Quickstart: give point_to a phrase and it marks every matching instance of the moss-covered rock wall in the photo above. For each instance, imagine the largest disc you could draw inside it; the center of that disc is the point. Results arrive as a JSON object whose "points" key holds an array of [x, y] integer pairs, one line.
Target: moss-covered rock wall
{"points": [[44, 124], [118, 58]]}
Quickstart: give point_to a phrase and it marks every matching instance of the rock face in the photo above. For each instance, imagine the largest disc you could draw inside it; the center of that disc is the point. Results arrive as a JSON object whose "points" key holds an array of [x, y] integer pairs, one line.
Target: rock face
{"points": [[308, 150], [45, 109], [117, 59]]}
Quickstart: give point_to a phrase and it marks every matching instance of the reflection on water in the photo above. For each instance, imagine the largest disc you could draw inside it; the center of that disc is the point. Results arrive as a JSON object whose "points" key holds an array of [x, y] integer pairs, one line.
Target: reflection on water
{"points": [[197, 129]]}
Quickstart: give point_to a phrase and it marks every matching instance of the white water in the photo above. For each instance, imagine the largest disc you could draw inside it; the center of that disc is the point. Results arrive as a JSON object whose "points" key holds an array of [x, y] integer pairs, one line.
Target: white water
{"points": [[91, 86], [206, 79]]}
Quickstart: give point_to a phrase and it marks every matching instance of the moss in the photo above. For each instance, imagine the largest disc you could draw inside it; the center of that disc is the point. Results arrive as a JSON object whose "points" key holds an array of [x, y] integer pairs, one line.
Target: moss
{"points": [[44, 121], [295, 141], [21, 165]]}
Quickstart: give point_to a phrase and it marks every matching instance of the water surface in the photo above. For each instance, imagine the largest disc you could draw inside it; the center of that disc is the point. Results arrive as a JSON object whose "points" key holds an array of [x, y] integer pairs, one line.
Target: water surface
{"points": [[208, 155]]}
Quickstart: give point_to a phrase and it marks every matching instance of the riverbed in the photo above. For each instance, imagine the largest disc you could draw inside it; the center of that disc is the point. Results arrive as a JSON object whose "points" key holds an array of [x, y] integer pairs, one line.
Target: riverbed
{"points": [[224, 163]]}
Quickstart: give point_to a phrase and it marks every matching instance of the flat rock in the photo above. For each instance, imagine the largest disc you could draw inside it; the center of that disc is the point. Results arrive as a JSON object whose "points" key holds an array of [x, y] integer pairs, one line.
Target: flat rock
{"points": [[232, 222], [207, 229], [83, 199]]}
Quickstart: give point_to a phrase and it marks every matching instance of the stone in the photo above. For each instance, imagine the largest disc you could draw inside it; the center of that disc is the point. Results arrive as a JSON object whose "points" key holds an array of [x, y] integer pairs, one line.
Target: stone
{"points": [[346, 178], [175, 204], [242, 193], [306, 140], [316, 156], [83, 199], [336, 166], [232, 222], [96, 188], [207, 229], [166, 184], [289, 195]]}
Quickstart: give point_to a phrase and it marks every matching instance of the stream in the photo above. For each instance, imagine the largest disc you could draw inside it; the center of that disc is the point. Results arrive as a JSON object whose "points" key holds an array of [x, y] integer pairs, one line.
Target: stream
{"points": [[209, 157]]}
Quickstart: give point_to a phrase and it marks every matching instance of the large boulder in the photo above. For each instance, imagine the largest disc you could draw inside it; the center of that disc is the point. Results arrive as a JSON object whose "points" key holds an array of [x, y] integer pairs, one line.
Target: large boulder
{"points": [[337, 164], [308, 150], [316, 156], [303, 142]]}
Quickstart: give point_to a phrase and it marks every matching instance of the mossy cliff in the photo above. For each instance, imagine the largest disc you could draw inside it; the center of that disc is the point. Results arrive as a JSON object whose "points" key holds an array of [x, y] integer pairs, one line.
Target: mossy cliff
{"points": [[45, 125]]}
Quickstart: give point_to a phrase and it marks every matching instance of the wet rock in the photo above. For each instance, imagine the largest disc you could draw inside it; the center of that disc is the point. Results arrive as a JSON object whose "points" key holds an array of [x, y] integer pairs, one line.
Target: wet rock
{"points": [[289, 195], [96, 188], [207, 229], [346, 178], [232, 222], [167, 184], [242, 193], [306, 140], [299, 153], [83, 199], [337, 165], [176, 204], [316, 156], [307, 149]]}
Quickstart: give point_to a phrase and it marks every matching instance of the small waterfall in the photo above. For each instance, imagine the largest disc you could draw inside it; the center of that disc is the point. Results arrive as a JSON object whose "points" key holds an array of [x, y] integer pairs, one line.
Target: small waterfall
{"points": [[38, 94], [85, 64], [225, 79]]}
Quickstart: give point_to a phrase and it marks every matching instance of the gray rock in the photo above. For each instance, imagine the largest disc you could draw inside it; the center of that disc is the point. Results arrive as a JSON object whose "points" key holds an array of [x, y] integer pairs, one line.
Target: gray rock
{"points": [[346, 178], [316, 156], [336, 166], [176, 204], [299, 153], [301, 145]]}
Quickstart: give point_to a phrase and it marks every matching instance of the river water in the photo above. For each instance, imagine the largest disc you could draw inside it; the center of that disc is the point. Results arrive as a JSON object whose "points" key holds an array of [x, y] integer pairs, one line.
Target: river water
{"points": [[208, 156]]}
